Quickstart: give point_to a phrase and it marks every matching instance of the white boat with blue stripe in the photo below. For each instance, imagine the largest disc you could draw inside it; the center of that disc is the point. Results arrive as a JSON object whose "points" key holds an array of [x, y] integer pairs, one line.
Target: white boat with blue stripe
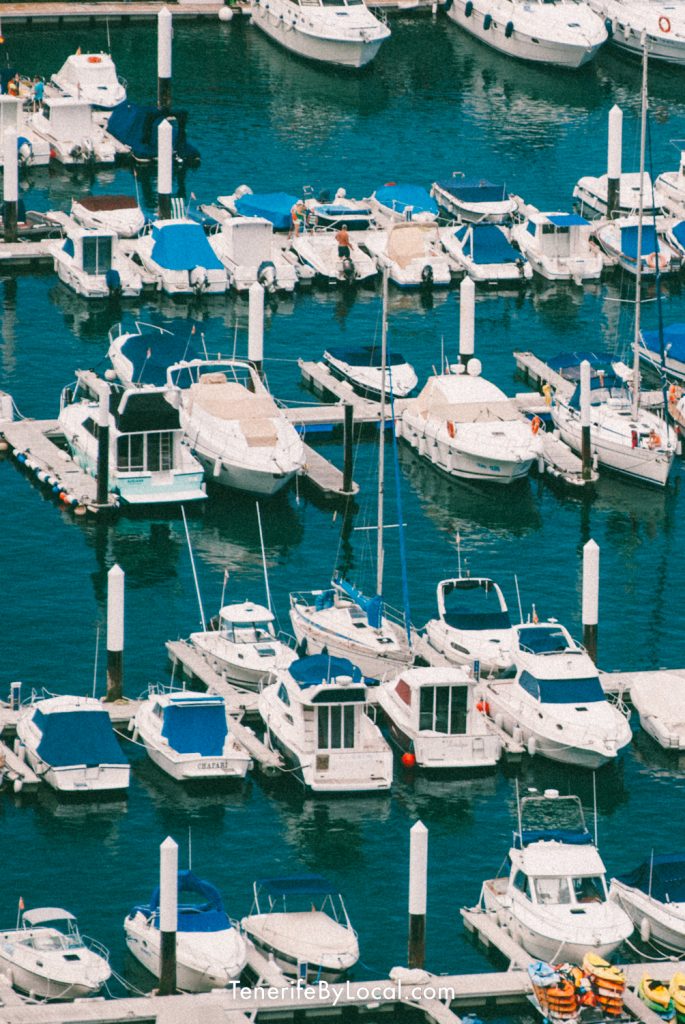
{"points": [[475, 200], [179, 257]]}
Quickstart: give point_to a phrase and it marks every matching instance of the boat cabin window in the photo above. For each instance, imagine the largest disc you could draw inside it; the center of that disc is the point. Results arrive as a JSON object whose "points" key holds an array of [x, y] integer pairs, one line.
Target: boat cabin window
{"points": [[522, 883], [552, 890], [152, 452], [335, 726], [563, 691], [97, 254], [557, 240], [248, 632], [443, 709], [91, 426], [589, 890], [283, 695]]}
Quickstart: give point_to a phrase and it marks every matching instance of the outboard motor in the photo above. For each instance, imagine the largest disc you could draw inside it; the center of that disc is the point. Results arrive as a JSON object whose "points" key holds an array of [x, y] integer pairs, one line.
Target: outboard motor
{"points": [[266, 275], [521, 267], [427, 276], [198, 279], [77, 153], [348, 269], [113, 282], [24, 150]]}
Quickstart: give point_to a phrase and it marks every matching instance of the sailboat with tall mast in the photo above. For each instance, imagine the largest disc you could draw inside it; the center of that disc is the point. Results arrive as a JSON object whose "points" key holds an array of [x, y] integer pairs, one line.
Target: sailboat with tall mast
{"points": [[343, 621], [624, 437]]}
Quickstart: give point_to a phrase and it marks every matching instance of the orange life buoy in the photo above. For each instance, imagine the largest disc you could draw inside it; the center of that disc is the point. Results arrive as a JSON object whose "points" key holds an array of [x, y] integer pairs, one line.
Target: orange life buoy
{"points": [[672, 394], [450, 428], [535, 424], [651, 260], [654, 440], [95, 60], [664, 23]]}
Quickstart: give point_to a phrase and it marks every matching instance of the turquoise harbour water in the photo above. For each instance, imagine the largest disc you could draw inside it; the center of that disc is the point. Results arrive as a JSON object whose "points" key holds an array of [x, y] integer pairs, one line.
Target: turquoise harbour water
{"points": [[434, 101]]}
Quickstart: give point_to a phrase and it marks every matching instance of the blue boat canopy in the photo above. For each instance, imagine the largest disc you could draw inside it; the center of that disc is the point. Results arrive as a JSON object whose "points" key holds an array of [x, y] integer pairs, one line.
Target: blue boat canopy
{"points": [[207, 916], [486, 244], [373, 606], [364, 355], [650, 241], [568, 363], [399, 197], [151, 353], [183, 247], [566, 220], [319, 668], [674, 341], [77, 738], [136, 125], [273, 206], [298, 885], [474, 190], [678, 232], [560, 835], [663, 877], [196, 727], [609, 381]]}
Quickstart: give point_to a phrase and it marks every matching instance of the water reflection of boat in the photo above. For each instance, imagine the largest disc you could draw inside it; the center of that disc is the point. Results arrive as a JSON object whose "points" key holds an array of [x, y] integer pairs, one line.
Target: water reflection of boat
{"points": [[430, 798], [663, 765], [169, 798]]}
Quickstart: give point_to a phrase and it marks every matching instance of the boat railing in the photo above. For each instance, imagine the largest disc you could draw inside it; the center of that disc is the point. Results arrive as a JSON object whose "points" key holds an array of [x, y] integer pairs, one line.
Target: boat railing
{"points": [[95, 947]]}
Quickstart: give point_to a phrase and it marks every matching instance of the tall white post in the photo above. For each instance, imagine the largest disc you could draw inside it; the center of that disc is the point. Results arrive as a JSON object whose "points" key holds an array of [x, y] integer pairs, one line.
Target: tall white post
{"points": [[590, 608], [467, 316], [418, 885], [585, 391], [255, 326], [10, 184], [115, 633], [165, 34], [165, 160], [614, 158], [168, 915]]}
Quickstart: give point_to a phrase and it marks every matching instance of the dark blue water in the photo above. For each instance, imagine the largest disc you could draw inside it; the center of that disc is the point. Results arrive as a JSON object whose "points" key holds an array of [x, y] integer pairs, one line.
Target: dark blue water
{"points": [[433, 102]]}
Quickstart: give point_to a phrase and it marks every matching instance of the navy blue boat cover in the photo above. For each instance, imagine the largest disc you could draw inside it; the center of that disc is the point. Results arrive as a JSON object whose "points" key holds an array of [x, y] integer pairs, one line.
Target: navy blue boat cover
{"points": [[567, 362], [183, 247], [135, 124], [674, 341], [399, 197], [474, 190], [273, 206], [76, 738], [317, 668], [151, 353], [364, 355], [485, 243], [196, 728], [650, 242], [298, 885], [209, 916], [667, 877]]}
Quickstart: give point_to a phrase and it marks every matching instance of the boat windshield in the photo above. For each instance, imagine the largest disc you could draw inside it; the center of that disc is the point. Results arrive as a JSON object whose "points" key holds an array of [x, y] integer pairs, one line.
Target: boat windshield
{"points": [[248, 632], [587, 690], [474, 605], [564, 891], [46, 940]]}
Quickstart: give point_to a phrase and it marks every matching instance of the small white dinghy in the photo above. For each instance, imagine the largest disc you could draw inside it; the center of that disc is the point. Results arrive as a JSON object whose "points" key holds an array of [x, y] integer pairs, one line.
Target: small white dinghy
{"points": [[661, 707], [188, 735], [49, 958], [619, 240], [69, 741], [653, 896], [120, 214], [474, 200], [362, 368], [242, 646], [302, 923], [210, 952], [473, 625]]}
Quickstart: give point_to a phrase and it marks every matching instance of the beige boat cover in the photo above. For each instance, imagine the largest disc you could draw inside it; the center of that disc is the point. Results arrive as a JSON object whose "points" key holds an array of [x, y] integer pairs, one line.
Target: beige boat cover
{"points": [[228, 400], [408, 242]]}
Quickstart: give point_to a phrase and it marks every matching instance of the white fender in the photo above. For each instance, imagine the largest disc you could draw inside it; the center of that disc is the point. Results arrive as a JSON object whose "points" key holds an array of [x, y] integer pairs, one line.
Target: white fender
{"points": [[645, 929], [532, 745]]}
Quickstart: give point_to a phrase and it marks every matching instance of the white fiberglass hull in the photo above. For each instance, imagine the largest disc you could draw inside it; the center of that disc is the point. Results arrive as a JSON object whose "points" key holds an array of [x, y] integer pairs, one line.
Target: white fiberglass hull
{"points": [[57, 984], [328, 948], [359, 771], [459, 752], [459, 463], [200, 769], [204, 960], [246, 668], [283, 29], [462, 647], [666, 921], [81, 779], [242, 478], [370, 664]]}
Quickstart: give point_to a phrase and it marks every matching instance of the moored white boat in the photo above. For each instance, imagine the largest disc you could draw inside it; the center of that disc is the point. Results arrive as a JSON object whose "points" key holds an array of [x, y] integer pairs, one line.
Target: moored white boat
{"points": [[412, 253], [399, 202], [91, 263], [32, 150], [91, 77], [355, 214], [653, 896], [362, 367], [242, 645], [48, 958], [591, 193], [473, 625], [188, 735], [619, 240], [315, 713], [302, 922], [475, 200], [178, 254], [342, 32], [68, 126], [120, 214], [660, 703], [486, 254], [558, 245], [319, 250], [660, 22], [210, 952], [433, 714], [70, 743], [247, 248]]}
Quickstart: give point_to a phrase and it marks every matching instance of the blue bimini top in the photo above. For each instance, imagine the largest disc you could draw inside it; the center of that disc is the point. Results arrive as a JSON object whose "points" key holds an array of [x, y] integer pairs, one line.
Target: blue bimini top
{"points": [[663, 877], [183, 247], [152, 353], [298, 885], [273, 206], [71, 738], [208, 916]]}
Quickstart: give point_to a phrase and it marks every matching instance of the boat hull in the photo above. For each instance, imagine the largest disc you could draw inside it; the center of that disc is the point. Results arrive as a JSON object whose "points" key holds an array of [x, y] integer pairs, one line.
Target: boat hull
{"points": [[242, 478], [202, 769], [638, 906], [290, 966], [144, 944], [371, 666], [345, 53], [456, 463], [467, 753], [43, 987], [639, 463]]}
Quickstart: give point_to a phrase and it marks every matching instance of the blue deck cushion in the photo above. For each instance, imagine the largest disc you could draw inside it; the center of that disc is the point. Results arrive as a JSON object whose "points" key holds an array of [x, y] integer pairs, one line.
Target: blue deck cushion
{"points": [[206, 916], [298, 885], [273, 206], [560, 835], [664, 877], [474, 190], [183, 247], [319, 668], [486, 244], [71, 738], [399, 197], [364, 355], [151, 353], [196, 728], [649, 241], [674, 341]]}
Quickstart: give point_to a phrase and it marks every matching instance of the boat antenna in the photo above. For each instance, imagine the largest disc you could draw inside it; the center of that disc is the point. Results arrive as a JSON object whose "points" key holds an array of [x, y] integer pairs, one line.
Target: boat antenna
{"points": [[640, 216], [223, 589], [135, 182], [459, 552], [190, 847], [381, 438], [657, 281], [95, 663], [204, 346], [594, 802], [261, 542], [190, 338], [442, 353], [651, 871], [518, 810], [518, 598], [400, 515], [192, 565]]}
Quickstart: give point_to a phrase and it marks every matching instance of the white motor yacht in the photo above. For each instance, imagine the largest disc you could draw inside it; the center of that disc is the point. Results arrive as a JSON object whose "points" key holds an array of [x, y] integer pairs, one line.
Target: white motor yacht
{"points": [[466, 427], [558, 245], [554, 900], [670, 189], [91, 262], [32, 150], [247, 248], [486, 254], [619, 240], [242, 646], [48, 958], [149, 461], [346, 623], [653, 896], [637, 445], [473, 625], [318, 250], [561, 32], [91, 77], [660, 22], [188, 735], [661, 707], [120, 214], [68, 126], [178, 255], [412, 253], [362, 368], [591, 193], [433, 714], [475, 200], [342, 32], [210, 951], [315, 713], [70, 743], [556, 705], [301, 922]]}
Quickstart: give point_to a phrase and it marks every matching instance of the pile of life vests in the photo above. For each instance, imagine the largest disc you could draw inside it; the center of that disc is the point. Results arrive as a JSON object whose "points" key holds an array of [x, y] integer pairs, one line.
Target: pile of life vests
{"points": [[562, 990]]}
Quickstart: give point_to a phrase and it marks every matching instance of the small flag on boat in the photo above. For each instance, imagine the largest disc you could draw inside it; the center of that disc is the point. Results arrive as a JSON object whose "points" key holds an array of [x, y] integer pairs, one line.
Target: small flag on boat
{"points": [[21, 902], [535, 615], [149, 354]]}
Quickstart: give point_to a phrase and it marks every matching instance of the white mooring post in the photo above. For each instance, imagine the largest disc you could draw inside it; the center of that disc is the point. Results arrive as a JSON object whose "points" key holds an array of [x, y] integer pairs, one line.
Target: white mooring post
{"points": [[467, 317], [165, 173], [168, 915], [418, 872], [590, 609], [255, 326], [614, 159], [165, 34], [115, 633], [10, 184], [585, 439]]}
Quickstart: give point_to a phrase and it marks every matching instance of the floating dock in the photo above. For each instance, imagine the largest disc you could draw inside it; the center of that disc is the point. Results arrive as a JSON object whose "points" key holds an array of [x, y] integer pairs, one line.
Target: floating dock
{"points": [[326, 478], [562, 463], [25, 253]]}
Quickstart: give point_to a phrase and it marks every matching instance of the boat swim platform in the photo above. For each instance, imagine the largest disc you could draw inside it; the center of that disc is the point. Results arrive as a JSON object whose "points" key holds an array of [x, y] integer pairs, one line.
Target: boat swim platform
{"points": [[326, 478]]}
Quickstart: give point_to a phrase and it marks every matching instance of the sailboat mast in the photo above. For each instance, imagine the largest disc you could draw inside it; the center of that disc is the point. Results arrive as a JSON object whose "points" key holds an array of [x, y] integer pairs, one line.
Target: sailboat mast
{"points": [[640, 215], [381, 439]]}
